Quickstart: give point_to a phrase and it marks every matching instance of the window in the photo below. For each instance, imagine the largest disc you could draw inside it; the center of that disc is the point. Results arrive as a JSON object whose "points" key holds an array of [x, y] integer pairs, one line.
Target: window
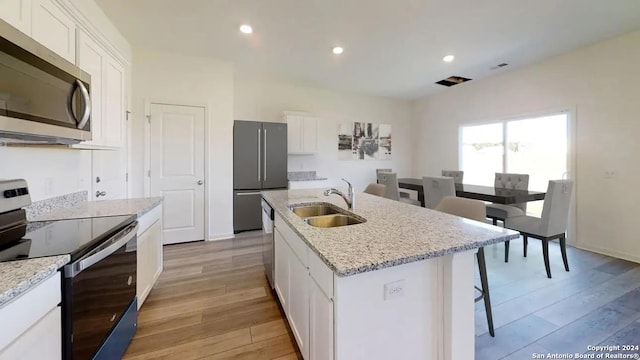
{"points": [[536, 146]]}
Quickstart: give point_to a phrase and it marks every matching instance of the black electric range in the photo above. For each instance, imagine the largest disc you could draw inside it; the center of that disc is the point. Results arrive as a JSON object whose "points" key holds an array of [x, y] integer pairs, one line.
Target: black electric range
{"points": [[99, 305], [74, 237]]}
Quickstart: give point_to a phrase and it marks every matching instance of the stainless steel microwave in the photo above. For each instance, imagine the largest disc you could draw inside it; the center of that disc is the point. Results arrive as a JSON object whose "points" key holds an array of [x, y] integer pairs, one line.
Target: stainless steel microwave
{"points": [[43, 97]]}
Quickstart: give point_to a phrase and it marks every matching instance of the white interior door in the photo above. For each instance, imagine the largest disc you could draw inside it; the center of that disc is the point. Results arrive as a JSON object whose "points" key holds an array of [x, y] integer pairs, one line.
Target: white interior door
{"points": [[177, 169]]}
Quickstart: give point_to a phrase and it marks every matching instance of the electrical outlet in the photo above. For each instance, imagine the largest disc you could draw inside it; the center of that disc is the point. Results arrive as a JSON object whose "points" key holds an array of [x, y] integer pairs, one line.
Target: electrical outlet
{"points": [[394, 290], [610, 174]]}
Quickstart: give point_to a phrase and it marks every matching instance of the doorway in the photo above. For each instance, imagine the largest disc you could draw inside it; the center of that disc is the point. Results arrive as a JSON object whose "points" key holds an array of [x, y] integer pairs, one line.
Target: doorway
{"points": [[176, 169]]}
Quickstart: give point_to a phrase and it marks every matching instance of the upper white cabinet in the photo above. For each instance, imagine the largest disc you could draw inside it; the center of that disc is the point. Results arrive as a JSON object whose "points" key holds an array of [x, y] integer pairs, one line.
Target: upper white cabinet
{"points": [[91, 59], [302, 134], [107, 93], [17, 13], [54, 29], [114, 109]]}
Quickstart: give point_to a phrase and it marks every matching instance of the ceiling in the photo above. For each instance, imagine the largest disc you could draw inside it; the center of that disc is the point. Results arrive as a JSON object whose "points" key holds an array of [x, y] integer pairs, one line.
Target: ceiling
{"points": [[392, 47]]}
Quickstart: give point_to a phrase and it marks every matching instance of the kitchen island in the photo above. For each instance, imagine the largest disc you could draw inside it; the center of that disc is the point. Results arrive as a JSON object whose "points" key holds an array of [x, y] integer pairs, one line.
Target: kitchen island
{"points": [[398, 286]]}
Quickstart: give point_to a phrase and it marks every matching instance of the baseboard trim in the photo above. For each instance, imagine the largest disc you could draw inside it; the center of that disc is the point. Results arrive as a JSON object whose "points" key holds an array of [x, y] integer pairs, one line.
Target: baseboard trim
{"points": [[615, 254], [219, 237]]}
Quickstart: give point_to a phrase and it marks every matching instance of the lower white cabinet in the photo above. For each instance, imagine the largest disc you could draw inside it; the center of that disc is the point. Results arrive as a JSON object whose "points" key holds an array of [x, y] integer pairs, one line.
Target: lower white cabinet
{"points": [[308, 308], [32, 323], [281, 276], [150, 259], [42, 341], [320, 323], [299, 303]]}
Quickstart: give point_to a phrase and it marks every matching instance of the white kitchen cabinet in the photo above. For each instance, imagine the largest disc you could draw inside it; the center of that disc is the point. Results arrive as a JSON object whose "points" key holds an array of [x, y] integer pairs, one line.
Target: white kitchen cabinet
{"points": [[17, 13], [34, 323], [281, 276], [113, 121], [107, 94], [42, 341], [320, 323], [91, 59], [299, 303], [53, 28], [149, 252], [308, 307], [302, 134]]}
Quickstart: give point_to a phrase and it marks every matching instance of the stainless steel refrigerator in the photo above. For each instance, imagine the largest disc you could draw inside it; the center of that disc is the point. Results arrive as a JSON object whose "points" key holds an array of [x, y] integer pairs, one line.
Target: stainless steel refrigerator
{"points": [[259, 163]]}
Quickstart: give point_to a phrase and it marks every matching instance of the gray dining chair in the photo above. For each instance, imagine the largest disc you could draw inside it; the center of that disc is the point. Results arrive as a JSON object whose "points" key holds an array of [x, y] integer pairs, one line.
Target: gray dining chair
{"points": [[501, 211], [435, 188], [375, 189], [474, 210], [390, 181], [403, 194], [551, 225], [457, 175]]}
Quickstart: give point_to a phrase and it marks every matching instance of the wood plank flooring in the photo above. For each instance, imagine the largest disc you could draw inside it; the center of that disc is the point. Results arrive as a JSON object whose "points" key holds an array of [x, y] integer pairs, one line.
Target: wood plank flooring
{"points": [[213, 302]]}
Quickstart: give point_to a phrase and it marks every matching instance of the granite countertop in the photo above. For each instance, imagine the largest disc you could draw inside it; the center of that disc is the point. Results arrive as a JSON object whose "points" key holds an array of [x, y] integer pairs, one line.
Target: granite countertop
{"points": [[17, 277], [139, 206], [395, 233], [304, 176]]}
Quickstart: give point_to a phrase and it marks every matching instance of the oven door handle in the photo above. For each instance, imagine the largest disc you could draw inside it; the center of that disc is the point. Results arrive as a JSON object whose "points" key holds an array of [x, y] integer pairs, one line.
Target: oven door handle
{"points": [[112, 245]]}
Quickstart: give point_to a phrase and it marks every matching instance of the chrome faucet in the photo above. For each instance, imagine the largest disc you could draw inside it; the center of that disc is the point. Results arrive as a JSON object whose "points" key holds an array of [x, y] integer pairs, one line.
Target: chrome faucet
{"points": [[348, 198]]}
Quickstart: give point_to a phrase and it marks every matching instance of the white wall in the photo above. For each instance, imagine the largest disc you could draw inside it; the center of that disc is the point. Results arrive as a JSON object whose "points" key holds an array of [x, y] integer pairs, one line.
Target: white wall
{"points": [[50, 170], [265, 100], [601, 83], [187, 80]]}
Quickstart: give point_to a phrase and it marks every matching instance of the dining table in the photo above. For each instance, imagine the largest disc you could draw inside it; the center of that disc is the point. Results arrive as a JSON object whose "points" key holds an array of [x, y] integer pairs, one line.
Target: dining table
{"points": [[478, 192]]}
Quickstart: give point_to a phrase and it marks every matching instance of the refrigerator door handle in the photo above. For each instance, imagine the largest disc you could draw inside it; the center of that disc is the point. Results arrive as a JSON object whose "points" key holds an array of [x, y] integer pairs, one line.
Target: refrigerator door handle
{"points": [[259, 155], [265, 154]]}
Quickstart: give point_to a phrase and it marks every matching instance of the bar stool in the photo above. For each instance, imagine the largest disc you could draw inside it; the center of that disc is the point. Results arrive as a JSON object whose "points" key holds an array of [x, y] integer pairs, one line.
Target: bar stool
{"points": [[474, 210]]}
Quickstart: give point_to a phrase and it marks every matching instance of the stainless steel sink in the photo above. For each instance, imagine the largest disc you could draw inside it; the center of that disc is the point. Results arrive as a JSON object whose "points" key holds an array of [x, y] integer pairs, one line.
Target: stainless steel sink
{"points": [[335, 220], [309, 210]]}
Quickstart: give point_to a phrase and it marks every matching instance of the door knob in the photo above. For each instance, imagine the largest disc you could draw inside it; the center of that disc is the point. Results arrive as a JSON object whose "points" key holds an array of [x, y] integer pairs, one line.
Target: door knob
{"points": [[200, 182], [101, 193]]}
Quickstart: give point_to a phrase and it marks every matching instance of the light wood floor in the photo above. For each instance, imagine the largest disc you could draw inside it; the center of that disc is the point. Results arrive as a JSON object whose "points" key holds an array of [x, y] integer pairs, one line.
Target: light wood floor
{"points": [[213, 302]]}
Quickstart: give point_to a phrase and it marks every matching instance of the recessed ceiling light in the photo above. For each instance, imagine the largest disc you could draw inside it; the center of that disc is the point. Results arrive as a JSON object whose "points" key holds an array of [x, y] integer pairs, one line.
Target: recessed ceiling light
{"points": [[448, 58], [246, 29], [338, 50]]}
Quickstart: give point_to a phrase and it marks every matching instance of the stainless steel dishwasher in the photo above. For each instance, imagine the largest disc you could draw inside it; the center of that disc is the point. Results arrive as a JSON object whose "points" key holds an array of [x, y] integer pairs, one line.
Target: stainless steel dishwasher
{"points": [[267, 240]]}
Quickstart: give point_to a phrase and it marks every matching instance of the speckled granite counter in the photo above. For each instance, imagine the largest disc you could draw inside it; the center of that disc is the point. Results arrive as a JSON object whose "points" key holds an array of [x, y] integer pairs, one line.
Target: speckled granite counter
{"points": [[86, 209], [395, 233], [17, 277]]}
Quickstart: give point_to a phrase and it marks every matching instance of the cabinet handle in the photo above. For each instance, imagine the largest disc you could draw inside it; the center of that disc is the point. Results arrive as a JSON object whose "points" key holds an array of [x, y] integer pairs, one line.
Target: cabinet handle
{"points": [[265, 155], [259, 155], [101, 193], [129, 280]]}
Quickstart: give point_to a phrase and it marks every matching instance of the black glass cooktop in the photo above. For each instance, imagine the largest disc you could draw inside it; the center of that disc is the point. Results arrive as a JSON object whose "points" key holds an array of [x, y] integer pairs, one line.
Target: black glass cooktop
{"points": [[47, 238]]}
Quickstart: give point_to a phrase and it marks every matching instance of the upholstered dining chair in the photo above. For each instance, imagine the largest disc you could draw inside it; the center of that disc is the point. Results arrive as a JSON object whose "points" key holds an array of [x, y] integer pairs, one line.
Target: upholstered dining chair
{"points": [[474, 210], [551, 225], [436, 188], [501, 211], [403, 194], [457, 175], [390, 181], [375, 189]]}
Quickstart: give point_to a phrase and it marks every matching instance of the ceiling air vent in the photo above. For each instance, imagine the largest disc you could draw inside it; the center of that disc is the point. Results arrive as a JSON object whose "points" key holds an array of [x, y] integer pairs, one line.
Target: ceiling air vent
{"points": [[499, 66], [452, 80]]}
